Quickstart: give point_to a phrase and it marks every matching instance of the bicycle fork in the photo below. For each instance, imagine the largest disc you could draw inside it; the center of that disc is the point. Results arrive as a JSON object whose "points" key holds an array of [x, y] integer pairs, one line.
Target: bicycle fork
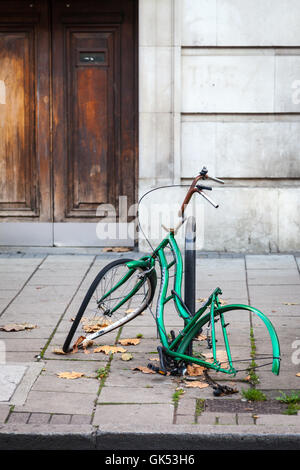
{"points": [[212, 322]]}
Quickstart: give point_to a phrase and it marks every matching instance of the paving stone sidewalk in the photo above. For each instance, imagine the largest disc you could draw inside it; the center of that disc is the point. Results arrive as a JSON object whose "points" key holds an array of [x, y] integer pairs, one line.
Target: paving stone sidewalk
{"points": [[113, 406]]}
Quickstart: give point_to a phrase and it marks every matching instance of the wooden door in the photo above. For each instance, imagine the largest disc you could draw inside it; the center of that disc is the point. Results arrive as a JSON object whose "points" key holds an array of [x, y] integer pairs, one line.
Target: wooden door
{"points": [[25, 160], [68, 111], [94, 106]]}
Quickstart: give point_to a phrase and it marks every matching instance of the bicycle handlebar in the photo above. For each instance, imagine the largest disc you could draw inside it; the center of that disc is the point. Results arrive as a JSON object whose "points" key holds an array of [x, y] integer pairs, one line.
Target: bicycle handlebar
{"points": [[208, 199], [204, 175], [217, 180], [194, 188], [201, 186]]}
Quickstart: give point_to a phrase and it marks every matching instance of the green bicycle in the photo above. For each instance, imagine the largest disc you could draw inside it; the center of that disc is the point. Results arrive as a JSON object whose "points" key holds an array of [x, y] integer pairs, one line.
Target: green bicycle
{"points": [[124, 288]]}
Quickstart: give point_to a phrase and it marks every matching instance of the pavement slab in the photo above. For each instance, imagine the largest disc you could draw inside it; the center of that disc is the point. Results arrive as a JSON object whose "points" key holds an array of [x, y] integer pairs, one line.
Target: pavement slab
{"points": [[112, 404], [10, 377]]}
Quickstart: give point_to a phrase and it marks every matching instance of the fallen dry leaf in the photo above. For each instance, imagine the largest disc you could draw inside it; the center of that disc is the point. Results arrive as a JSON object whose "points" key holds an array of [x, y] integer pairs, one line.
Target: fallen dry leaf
{"points": [[144, 369], [129, 310], [109, 349], [116, 249], [126, 356], [201, 337], [58, 351], [154, 359], [196, 384], [129, 341], [194, 370], [77, 343], [70, 375], [290, 303], [87, 345], [298, 374], [17, 327]]}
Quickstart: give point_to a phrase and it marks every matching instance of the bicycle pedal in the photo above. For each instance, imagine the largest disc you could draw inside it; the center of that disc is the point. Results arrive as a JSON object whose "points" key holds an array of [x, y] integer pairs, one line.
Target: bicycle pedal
{"points": [[156, 369], [220, 390]]}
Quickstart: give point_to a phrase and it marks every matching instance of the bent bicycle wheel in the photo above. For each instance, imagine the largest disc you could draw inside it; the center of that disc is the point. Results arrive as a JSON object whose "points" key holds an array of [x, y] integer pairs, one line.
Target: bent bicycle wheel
{"points": [[116, 296], [241, 339]]}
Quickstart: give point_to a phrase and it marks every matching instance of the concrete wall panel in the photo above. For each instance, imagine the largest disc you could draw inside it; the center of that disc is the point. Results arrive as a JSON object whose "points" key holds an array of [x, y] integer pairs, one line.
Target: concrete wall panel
{"points": [[245, 148], [246, 220], [256, 81], [227, 84], [240, 23]]}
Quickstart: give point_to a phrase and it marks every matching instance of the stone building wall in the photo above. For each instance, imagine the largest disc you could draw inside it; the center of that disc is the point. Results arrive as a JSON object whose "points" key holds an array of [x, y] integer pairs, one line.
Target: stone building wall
{"points": [[219, 85]]}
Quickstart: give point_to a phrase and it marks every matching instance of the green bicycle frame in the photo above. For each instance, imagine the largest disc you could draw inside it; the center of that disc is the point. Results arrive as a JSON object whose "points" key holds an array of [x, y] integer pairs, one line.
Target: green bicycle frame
{"points": [[193, 324], [178, 346]]}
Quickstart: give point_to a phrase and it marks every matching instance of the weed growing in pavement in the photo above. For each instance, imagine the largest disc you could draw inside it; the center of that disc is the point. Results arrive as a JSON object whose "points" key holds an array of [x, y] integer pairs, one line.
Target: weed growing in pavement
{"points": [[200, 405], [292, 400], [254, 380], [176, 396], [101, 373], [252, 394]]}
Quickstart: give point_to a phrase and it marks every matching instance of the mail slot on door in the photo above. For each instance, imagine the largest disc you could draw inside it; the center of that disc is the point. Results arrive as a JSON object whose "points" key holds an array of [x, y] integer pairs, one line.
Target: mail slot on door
{"points": [[92, 58]]}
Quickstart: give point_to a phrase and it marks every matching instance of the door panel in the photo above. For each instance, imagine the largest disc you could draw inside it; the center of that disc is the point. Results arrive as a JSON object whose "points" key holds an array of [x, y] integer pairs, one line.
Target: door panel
{"points": [[94, 106], [92, 132], [22, 165], [16, 116]]}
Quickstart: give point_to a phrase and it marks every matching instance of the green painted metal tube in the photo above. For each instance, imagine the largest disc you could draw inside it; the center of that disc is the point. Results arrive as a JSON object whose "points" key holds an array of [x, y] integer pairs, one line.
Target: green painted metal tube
{"points": [[162, 298], [128, 296], [142, 263], [178, 277], [120, 283], [213, 335], [227, 346]]}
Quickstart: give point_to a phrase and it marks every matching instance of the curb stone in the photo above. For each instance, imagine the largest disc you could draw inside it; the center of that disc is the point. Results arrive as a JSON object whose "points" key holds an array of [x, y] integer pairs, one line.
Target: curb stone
{"points": [[184, 438]]}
